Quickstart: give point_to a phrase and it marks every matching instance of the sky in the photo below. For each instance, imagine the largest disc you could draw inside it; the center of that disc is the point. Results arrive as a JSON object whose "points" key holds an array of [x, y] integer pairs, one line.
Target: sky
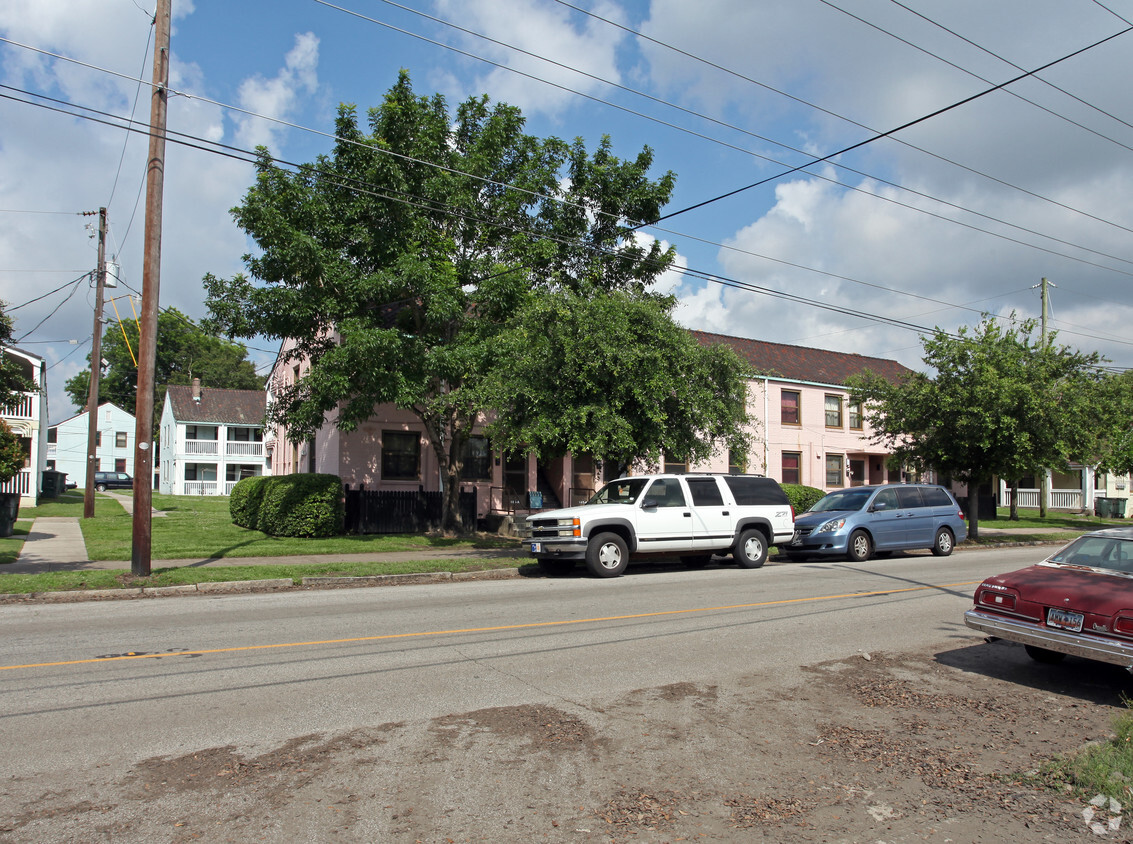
{"points": [[850, 174]]}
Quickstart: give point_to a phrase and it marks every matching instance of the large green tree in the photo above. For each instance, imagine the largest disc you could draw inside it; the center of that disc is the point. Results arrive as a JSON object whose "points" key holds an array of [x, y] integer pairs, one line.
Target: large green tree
{"points": [[184, 352], [1002, 403], [396, 262], [613, 376]]}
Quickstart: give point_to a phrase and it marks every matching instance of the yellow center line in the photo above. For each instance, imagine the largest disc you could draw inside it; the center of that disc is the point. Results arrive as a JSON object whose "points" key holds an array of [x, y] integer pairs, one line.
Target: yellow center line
{"points": [[424, 633]]}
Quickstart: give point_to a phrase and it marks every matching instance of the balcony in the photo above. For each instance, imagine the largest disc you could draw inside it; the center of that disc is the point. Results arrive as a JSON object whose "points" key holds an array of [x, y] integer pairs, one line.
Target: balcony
{"points": [[200, 488], [210, 447], [243, 448], [22, 409]]}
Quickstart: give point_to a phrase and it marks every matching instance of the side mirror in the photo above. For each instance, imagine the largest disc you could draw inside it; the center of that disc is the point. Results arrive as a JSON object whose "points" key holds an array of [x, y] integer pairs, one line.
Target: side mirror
{"points": [[879, 506], [650, 504]]}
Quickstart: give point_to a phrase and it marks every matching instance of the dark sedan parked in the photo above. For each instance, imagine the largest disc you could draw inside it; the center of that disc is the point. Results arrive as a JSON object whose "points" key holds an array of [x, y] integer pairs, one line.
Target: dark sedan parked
{"points": [[1078, 601]]}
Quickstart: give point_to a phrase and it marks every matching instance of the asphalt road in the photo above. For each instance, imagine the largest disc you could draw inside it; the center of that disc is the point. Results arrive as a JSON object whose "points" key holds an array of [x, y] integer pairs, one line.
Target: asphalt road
{"points": [[108, 684]]}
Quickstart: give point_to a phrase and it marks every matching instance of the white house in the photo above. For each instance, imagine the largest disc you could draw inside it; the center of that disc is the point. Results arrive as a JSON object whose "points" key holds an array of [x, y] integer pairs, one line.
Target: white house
{"points": [[28, 420], [114, 443], [210, 439]]}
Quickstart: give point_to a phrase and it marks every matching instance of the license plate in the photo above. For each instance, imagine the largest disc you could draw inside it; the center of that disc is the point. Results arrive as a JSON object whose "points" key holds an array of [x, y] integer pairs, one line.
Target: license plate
{"points": [[536, 547], [1064, 620]]}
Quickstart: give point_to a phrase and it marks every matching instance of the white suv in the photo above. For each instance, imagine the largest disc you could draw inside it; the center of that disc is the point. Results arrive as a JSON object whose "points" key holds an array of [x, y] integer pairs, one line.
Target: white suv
{"points": [[691, 516]]}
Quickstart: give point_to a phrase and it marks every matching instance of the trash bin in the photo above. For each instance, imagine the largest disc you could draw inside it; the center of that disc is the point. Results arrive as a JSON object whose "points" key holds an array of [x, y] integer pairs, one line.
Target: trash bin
{"points": [[1106, 508], [54, 483], [1119, 507]]}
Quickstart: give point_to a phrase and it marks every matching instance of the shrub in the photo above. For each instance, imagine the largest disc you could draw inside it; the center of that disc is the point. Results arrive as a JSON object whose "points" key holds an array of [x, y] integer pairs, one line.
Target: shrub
{"points": [[802, 498], [302, 505], [244, 502]]}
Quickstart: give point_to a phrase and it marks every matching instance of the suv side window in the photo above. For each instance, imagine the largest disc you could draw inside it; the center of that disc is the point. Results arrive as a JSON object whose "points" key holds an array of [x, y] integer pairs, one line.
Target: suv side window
{"points": [[705, 492], [910, 496], [667, 492], [750, 490]]}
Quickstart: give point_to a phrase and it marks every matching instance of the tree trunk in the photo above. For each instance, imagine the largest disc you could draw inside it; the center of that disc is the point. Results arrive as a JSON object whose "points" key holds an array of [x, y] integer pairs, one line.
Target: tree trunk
{"points": [[447, 437], [973, 513], [1014, 501]]}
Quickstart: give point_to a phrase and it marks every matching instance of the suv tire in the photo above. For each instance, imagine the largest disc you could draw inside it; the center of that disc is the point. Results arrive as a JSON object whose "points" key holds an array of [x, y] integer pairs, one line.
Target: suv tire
{"points": [[750, 550], [606, 555]]}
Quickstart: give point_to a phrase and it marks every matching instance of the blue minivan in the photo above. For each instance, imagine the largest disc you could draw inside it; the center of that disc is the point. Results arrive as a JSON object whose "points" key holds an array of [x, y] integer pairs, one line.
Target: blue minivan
{"points": [[858, 522]]}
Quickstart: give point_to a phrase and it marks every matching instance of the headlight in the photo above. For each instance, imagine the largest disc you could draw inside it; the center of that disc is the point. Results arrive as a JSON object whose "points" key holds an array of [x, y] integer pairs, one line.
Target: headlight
{"points": [[831, 526]]}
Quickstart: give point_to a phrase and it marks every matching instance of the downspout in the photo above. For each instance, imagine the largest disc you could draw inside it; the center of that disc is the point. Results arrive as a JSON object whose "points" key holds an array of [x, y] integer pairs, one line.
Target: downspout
{"points": [[766, 419]]}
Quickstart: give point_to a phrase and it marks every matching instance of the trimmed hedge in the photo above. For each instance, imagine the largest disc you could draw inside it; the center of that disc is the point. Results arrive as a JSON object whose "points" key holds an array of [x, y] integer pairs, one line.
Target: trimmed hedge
{"points": [[290, 505], [802, 498], [244, 502]]}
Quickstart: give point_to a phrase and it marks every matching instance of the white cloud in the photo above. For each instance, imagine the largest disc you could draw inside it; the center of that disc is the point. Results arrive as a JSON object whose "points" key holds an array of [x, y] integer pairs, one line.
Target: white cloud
{"points": [[278, 96]]}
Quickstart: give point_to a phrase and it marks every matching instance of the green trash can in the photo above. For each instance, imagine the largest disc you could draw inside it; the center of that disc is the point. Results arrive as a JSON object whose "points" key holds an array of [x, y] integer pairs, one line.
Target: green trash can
{"points": [[1106, 508], [1119, 507]]}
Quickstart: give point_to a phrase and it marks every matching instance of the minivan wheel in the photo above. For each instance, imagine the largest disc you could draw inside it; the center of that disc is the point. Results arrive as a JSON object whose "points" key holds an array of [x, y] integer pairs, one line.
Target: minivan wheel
{"points": [[859, 547], [942, 545], [606, 555]]}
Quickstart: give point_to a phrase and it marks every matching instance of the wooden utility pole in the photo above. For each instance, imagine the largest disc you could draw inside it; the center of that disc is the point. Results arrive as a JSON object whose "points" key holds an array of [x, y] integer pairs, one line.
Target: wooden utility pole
{"points": [[151, 283], [1044, 484], [95, 370]]}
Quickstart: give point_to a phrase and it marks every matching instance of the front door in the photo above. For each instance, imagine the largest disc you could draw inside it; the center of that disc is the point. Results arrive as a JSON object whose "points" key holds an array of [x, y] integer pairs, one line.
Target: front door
{"points": [[666, 524]]}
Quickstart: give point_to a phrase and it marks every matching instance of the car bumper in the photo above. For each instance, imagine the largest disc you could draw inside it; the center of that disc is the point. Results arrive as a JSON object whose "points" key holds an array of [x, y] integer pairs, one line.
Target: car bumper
{"points": [[1085, 645], [557, 549], [817, 545]]}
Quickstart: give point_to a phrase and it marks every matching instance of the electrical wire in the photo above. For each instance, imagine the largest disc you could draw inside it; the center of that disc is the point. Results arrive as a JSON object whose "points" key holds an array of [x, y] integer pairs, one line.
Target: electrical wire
{"points": [[48, 293]]}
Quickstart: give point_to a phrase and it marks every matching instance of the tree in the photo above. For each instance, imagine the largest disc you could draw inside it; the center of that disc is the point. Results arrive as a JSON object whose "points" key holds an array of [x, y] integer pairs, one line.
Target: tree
{"points": [[13, 382], [572, 371], [184, 352], [1113, 448], [1001, 404], [396, 262]]}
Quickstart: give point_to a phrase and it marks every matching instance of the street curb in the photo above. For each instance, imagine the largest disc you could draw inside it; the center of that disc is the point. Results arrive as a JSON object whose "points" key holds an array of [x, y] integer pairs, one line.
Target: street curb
{"points": [[239, 587]]}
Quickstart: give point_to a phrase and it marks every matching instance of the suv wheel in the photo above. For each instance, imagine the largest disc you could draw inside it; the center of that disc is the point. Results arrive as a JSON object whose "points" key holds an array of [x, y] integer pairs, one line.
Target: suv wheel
{"points": [[750, 550], [606, 555], [100, 487]]}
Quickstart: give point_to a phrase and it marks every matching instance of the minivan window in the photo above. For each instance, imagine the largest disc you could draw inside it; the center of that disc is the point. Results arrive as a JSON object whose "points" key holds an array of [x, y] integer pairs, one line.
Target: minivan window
{"points": [[909, 496], [935, 496], [886, 497], [853, 499]]}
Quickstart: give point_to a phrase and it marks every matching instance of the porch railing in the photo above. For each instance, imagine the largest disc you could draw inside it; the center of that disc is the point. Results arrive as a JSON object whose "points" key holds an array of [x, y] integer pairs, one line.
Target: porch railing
{"points": [[1060, 499], [200, 488], [243, 448], [202, 447], [20, 483], [21, 409]]}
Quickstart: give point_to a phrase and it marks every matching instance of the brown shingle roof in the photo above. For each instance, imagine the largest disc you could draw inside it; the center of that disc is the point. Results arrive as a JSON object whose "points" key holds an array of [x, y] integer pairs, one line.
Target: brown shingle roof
{"points": [[798, 363], [217, 407]]}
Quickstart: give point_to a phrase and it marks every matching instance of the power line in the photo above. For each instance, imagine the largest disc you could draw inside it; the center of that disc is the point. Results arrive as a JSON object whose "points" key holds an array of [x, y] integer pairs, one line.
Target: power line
{"points": [[893, 131], [74, 281]]}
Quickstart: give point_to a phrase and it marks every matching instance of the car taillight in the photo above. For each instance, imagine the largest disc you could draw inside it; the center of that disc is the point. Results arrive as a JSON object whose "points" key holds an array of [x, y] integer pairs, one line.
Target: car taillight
{"points": [[997, 600], [1123, 624], [962, 516]]}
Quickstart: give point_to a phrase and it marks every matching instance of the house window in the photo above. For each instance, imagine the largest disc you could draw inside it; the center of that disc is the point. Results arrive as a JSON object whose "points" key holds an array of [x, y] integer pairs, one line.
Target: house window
{"points": [[833, 411], [98, 439], [401, 455], [53, 435], [119, 439], [673, 468], [792, 461], [200, 432], [835, 467], [477, 459], [789, 408], [854, 409], [737, 462], [120, 464]]}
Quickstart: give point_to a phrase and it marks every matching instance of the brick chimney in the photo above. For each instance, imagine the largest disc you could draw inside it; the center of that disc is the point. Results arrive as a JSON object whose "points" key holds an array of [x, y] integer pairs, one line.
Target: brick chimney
{"points": [[197, 390]]}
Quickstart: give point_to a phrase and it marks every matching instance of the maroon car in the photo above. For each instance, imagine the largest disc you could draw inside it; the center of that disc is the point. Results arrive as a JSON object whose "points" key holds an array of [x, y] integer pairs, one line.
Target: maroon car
{"points": [[1078, 601]]}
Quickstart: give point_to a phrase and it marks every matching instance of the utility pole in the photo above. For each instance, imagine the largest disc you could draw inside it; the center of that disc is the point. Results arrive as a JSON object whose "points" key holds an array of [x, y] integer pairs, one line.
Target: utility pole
{"points": [[1044, 486], [95, 369], [151, 282]]}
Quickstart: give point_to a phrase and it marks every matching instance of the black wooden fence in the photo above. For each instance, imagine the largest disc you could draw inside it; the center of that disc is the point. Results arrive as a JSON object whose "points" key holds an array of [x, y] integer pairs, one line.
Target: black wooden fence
{"points": [[377, 511]]}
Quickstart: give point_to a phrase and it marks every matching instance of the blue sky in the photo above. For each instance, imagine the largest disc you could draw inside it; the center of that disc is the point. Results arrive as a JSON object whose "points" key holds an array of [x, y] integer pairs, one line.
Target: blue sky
{"points": [[960, 214]]}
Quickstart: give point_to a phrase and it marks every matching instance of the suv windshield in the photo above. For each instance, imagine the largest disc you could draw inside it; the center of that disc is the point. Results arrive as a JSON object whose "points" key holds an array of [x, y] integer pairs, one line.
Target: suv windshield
{"points": [[852, 499], [625, 491], [1098, 552]]}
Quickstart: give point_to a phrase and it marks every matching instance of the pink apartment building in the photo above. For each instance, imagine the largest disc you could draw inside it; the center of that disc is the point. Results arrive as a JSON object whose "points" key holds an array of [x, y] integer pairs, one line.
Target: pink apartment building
{"points": [[806, 431]]}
